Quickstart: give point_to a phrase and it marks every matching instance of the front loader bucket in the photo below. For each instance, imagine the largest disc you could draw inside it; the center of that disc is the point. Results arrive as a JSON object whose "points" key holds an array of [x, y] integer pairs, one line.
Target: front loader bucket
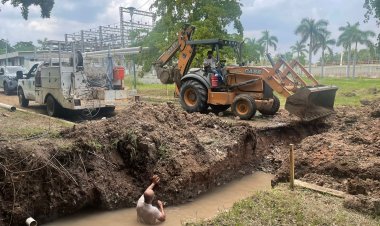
{"points": [[310, 103]]}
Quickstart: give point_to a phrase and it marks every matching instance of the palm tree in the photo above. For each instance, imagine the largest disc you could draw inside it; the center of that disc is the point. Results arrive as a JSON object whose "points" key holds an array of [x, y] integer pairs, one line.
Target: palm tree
{"points": [[345, 40], [309, 29], [351, 34], [268, 41], [361, 37], [324, 42], [299, 48], [253, 49]]}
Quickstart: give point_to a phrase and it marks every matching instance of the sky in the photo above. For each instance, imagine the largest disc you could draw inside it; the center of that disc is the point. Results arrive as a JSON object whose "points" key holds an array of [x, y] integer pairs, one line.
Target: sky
{"points": [[280, 17]]}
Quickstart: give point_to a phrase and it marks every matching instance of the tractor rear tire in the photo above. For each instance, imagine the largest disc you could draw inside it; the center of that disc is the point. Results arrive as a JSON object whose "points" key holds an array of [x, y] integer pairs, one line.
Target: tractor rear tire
{"points": [[21, 98], [193, 96], [52, 106], [244, 106], [274, 109]]}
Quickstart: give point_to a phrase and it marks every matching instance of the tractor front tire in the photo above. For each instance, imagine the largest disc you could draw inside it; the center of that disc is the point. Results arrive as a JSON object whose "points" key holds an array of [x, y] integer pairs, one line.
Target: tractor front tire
{"points": [[244, 106], [193, 96], [274, 109]]}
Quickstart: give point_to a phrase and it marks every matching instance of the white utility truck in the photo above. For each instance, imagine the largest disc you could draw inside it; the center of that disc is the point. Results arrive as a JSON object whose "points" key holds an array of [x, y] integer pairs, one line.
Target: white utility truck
{"points": [[83, 83]]}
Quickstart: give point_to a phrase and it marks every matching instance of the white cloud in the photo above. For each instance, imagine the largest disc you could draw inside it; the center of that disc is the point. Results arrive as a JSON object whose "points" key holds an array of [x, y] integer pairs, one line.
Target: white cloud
{"points": [[48, 26], [69, 5]]}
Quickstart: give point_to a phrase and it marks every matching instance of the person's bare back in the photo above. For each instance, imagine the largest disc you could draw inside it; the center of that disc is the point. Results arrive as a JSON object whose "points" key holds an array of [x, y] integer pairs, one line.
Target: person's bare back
{"points": [[146, 212]]}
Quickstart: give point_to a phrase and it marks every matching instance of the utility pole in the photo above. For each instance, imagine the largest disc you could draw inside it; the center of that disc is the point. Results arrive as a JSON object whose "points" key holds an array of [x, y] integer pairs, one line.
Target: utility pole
{"points": [[6, 52], [35, 53]]}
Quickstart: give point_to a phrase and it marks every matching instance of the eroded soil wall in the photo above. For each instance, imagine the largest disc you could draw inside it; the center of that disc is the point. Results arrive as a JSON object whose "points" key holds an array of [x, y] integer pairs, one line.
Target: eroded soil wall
{"points": [[107, 164]]}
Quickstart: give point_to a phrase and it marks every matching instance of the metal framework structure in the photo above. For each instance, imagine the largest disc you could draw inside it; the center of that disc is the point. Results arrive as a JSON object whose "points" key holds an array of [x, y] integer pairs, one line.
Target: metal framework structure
{"points": [[117, 35]]}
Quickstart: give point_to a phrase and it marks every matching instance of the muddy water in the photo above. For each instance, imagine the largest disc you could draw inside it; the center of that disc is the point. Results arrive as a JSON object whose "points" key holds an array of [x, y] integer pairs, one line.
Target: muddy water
{"points": [[205, 206]]}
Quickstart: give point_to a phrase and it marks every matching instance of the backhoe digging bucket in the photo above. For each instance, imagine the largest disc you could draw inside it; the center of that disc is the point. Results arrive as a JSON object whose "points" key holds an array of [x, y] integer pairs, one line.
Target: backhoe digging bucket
{"points": [[310, 103]]}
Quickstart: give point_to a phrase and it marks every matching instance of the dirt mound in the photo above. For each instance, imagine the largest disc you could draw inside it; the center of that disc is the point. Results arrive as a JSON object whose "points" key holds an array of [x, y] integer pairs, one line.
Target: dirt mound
{"points": [[105, 164], [346, 157]]}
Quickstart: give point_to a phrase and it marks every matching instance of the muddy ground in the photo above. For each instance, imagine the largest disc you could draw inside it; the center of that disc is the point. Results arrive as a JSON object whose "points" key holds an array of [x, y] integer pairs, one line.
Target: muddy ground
{"points": [[106, 164], [345, 157]]}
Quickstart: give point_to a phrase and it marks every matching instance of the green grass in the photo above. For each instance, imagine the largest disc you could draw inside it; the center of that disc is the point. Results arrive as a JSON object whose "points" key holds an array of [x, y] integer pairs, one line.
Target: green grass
{"points": [[350, 91], [21, 125], [281, 206], [153, 92]]}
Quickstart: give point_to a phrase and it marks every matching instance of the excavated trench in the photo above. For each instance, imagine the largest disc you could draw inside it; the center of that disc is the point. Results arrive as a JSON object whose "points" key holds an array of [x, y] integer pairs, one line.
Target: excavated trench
{"points": [[107, 164]]}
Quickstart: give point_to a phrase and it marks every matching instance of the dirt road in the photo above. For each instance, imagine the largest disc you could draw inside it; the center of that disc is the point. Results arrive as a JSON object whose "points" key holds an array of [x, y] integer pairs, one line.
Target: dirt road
{"points": [[13, 100]]}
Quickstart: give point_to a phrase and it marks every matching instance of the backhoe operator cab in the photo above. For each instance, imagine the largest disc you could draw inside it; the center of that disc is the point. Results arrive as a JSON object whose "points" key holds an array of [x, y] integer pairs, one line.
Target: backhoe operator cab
{"points": [[246, 88]]}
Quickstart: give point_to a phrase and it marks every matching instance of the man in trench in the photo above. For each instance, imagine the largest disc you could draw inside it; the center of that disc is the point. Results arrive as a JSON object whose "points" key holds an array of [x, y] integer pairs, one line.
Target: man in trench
{"points": [[146, 212]]}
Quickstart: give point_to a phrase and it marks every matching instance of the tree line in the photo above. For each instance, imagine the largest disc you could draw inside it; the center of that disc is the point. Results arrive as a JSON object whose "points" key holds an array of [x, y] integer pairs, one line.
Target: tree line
{"points": [[5, 46], [316, 37]]}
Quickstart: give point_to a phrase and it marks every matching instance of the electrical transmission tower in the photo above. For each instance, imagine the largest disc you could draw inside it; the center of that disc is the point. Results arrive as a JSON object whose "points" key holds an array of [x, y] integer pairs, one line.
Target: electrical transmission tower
{"points": [[129, 26], [115, 36]]}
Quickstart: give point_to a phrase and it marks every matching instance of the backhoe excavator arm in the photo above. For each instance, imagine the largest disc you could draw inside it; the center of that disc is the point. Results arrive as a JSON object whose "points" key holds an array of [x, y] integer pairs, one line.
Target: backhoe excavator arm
{"points": [[170, 74]]}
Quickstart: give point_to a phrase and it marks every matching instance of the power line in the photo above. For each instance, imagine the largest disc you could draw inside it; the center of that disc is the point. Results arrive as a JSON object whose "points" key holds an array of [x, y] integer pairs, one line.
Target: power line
{"points": [[143, 4]]}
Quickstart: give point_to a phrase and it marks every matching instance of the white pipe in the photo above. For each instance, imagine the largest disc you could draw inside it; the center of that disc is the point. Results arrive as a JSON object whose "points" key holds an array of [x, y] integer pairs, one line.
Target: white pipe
{"points": [[31, 222], [116, 51], [7, 107], [112, 54]]}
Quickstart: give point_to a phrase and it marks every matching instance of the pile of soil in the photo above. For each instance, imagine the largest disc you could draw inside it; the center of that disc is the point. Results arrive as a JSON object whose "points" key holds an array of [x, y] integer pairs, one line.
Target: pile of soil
{"points": [[107, 164], [345, 157]]}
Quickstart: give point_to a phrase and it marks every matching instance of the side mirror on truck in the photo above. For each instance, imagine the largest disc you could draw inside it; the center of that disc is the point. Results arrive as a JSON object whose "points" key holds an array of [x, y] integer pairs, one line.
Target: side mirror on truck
{"points": [[19, 75]]}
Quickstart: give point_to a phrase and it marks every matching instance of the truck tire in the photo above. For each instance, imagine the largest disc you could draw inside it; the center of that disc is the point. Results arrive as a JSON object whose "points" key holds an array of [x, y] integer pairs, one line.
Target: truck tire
{"points": [[21, 98], [193, 96], [52, 106], [244, 106], [219, 108], [274, 109], [108, 111], [6, 89]]}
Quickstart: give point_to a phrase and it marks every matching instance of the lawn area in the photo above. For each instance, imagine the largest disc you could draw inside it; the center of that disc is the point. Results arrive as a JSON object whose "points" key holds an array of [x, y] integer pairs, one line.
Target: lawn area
{"points": [[350, 91], [21, 125], [280, 206], [152, 91]]}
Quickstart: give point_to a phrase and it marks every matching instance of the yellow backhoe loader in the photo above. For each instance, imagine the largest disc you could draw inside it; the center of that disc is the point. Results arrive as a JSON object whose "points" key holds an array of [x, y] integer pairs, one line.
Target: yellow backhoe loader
{"points": [[245, 88]]}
